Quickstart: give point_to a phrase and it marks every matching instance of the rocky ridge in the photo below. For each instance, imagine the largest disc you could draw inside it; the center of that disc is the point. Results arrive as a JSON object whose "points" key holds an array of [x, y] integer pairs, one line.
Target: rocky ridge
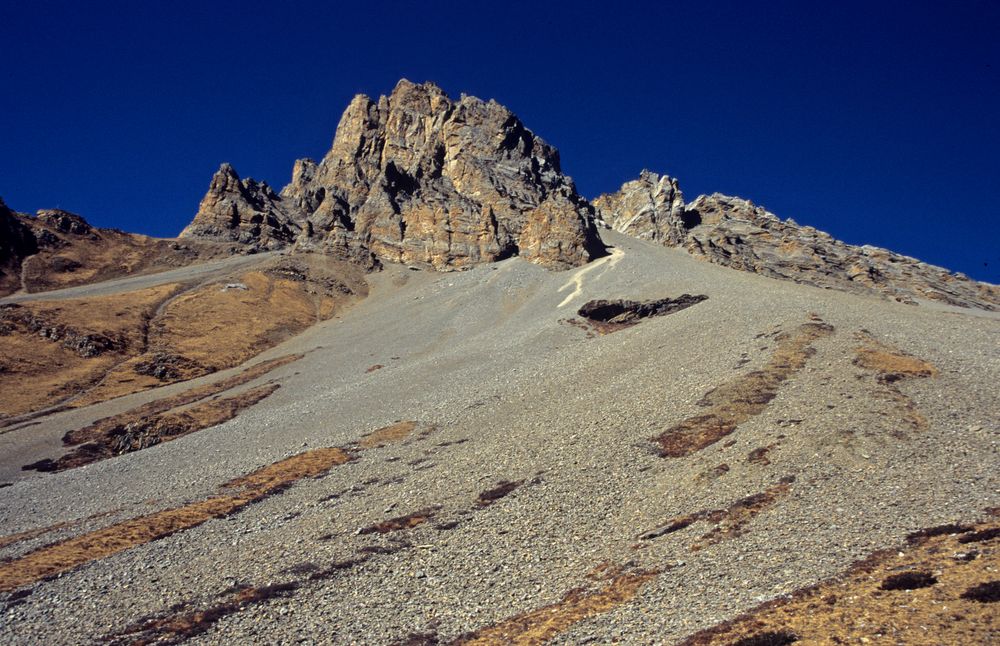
{"points": [[55, 248], [415, 177], [734, 232]]}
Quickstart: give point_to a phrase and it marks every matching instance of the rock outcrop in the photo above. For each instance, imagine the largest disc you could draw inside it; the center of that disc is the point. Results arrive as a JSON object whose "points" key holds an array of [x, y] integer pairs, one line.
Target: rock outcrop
{"points": [[651, 207], [417, 177], [736, 233], [16, 243], [243, 211]]}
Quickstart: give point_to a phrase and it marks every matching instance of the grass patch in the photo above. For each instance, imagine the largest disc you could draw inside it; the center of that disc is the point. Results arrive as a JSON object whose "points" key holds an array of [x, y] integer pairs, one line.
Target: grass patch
{"points": [[141, 432], [392, 434], [949, 603], [542, 624], [735, 402], [73, 552], [409, 521], [890, 366], [503, 489], [729, 521]]}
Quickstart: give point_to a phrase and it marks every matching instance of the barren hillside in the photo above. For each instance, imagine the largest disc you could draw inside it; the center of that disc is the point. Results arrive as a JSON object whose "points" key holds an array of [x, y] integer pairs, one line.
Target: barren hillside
{"points": [[420, 396], [519, 490]]}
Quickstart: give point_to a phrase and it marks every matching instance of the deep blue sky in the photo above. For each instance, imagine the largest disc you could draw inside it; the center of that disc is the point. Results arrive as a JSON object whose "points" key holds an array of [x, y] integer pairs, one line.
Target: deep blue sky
{"points": [[876, 121]]}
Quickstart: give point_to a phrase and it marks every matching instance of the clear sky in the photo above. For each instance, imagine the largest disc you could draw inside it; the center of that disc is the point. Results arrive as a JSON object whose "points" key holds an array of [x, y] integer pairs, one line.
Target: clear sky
{"points": [[878, 122]]}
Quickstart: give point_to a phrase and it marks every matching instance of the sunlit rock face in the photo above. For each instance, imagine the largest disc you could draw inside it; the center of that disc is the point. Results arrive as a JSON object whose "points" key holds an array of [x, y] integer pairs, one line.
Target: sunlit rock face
{"points": [[416, 177]]}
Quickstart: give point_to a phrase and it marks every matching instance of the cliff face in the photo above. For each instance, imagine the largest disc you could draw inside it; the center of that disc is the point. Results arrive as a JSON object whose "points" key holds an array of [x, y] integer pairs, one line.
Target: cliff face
{"points": [[736, 233], [416, 177]]}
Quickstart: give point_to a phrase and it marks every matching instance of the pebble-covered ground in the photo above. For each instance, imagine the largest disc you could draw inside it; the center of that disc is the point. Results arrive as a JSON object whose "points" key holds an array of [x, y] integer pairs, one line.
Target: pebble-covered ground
{"points": [[530, 502]]}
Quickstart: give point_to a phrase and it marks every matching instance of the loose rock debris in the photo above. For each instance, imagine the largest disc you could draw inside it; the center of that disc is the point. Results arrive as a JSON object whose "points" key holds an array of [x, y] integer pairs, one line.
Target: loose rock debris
{"points": [[736, 401]]}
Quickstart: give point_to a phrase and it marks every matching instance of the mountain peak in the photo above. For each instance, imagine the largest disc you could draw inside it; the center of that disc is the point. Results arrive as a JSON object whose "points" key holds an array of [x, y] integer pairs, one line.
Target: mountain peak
{"points": [[417, 177]]}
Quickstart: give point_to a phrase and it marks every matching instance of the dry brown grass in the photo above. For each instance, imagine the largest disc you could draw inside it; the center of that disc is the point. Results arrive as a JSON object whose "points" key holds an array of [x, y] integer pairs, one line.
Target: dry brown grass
{"points": [[890, 363], [733, 520], [284, 473], [185, 398], [502, 490], [730, 521], [391, 434], [542, 624], [890, 366], [165, 335], [137, 432], [84, 338], [174, 628], [219, 329], [73, 552], [735, 402], [104, 254], [409, 521], [211, 328], [856, 608]]}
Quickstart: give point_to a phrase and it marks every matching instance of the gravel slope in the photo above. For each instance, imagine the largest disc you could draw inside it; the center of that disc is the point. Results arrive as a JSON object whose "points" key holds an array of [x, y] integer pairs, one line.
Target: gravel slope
{"points": [[516, 394]]}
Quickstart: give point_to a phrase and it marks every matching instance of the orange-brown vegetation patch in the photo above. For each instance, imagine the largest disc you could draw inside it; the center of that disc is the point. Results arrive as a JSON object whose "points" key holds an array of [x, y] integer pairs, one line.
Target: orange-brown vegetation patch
{"points": [[409, 521], [891, 365], [222, 324], [174, 628], [934, 591], [542, 624], [135, 433], [117, 345], [759, 455], [738, 400], [392, 434], [12, 539], [284, 473], [190, 396], [218, 327], [183, 621], [52, 350], [730, 521], [70, 553]]}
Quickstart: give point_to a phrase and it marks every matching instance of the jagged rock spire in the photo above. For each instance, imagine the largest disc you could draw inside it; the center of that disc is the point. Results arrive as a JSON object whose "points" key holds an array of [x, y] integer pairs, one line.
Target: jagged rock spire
{"points": [[418, 177]]}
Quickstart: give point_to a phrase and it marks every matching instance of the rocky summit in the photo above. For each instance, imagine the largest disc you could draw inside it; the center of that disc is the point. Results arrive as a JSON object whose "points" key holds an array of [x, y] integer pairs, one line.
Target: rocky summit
{"points": [[415, 177], [296, 423]]}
